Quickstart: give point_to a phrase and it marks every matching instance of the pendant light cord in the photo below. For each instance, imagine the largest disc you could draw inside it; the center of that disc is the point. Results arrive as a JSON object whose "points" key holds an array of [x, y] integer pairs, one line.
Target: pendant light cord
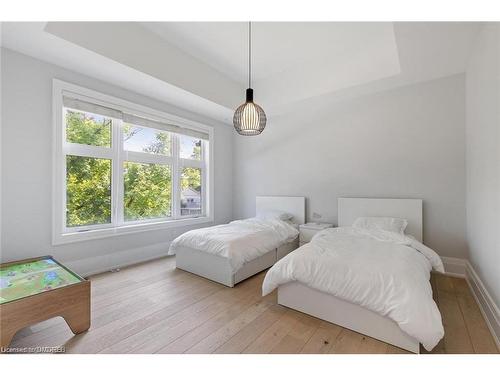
{"points": [[249, 54]]}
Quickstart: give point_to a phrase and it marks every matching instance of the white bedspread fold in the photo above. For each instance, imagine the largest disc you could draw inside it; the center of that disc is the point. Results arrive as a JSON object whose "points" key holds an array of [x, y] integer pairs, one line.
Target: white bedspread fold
{"points": [[240, 241], [384, 272]]}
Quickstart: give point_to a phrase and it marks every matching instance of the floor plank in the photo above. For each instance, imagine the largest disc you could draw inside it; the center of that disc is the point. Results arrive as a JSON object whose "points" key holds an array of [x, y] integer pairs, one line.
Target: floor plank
{"points": [[352, 342], [273, 335], [226, 332], [200, 333], [456, 339], [254, 329], [391, 349], [153, 307], [298, 336], [109, 335], [481, 339], [321, 342]]}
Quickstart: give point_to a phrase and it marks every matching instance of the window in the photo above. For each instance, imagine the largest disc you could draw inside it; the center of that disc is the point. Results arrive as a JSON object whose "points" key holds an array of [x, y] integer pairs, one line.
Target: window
{"points": [[191, 191], [88, 191], [190, 148], [122, 168], [141, 139], [88, 129], [148, 191]]}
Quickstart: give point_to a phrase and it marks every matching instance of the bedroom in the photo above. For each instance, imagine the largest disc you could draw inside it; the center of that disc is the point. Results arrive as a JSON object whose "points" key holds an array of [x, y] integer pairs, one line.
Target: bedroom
{"points": [[355, 211]]}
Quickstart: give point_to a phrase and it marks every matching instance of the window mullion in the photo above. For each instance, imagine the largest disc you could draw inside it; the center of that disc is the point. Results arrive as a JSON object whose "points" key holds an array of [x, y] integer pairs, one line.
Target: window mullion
{"points": [[145, 158], [87, 151], [63, 175], [118, 168], [188, 163], [176, 195], [204, 179]]}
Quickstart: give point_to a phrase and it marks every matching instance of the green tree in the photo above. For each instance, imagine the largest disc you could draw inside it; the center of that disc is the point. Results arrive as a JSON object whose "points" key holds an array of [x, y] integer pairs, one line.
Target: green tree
{"points": [[88, 191], [88, 129], [147, 187], [88, 180], [148, 191], [191, 178], [160, 145]]}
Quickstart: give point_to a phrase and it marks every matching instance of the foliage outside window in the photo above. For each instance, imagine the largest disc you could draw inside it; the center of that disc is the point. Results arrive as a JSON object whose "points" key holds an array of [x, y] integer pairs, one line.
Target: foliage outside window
{"points": [[148, 191], [88, 191], [119, 173], [88, 129]]}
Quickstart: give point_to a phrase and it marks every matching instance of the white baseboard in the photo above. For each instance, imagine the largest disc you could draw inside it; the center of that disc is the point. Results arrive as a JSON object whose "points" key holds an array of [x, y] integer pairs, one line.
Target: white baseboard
{"points": [[119, 259], [488, 308], [455, 267], [462, 268]]}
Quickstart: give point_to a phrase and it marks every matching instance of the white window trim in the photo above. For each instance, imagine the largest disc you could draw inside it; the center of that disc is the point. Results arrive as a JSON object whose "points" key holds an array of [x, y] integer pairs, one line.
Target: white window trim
{"points": [[60, 147]]}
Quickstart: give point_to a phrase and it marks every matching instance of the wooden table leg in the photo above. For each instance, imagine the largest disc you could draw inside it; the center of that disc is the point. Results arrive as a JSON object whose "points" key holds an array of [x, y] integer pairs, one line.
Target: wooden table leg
{"points": [[71, 302], [77, 316], [6, 337]]}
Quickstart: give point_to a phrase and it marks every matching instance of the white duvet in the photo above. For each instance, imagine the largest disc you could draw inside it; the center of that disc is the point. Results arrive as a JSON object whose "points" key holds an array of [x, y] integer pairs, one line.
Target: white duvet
{"points": [[382, 271], [240, 241]]}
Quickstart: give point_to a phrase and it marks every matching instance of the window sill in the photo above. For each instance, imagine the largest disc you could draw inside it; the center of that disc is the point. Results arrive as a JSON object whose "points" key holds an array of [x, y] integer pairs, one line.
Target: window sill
{"points": [[65, 238]]}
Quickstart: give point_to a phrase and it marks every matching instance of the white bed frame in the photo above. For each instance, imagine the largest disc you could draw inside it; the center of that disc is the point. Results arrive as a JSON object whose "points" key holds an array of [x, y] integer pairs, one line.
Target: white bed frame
{"points": [[218, 269], [335, 310]]}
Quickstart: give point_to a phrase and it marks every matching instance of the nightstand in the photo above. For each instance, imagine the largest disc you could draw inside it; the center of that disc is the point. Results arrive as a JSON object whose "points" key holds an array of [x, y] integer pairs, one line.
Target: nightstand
{"points": [[307, 231]]}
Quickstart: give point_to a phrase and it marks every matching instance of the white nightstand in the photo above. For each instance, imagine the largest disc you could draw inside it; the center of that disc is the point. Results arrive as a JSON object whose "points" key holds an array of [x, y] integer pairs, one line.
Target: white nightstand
{"points": [[307, 231]]}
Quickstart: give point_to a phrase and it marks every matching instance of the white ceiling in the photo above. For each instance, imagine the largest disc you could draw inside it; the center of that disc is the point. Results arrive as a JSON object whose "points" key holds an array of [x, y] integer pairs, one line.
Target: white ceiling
{"points": [[291, 61], [294, 61], [278, 47]]}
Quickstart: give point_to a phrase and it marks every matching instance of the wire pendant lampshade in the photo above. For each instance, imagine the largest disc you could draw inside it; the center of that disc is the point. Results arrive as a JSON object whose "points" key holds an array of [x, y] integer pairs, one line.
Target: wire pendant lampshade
{"points": [[249, 118]]}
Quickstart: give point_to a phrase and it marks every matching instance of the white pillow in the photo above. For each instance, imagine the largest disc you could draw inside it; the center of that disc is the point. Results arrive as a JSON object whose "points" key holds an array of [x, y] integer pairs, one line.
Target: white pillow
{"points": [[274, 215], [391, 224]]}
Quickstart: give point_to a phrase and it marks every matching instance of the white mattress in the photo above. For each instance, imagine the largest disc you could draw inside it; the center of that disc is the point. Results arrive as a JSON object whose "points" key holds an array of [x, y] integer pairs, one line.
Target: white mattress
{"points": [[240, 241]]}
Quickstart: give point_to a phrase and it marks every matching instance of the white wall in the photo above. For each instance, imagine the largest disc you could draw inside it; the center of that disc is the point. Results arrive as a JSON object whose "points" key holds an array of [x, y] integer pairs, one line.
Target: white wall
{"points": [[404, 143], [27, 169], [483, 158]]}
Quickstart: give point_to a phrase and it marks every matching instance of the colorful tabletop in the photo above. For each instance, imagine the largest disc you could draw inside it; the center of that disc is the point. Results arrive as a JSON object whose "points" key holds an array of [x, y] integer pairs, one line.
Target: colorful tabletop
{"points": [[25, 279]]}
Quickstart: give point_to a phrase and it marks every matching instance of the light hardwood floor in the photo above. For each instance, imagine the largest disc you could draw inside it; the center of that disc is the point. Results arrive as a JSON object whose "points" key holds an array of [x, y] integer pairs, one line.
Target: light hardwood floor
{"points": [[155, 308]]}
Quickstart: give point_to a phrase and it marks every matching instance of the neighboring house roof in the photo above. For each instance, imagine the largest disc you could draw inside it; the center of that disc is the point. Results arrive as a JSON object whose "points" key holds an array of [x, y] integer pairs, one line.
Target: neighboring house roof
{"points": [[189, 192]]}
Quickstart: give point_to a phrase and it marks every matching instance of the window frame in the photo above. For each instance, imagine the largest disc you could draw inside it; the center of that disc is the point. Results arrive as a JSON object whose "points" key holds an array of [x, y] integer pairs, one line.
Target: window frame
{"points": [[118, 156]]}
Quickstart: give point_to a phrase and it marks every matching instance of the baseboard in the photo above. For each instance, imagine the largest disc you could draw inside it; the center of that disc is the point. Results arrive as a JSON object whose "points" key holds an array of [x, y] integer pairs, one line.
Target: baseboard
{"points": [[488, 308], [119, 259], [462, 268], [455, 267]]}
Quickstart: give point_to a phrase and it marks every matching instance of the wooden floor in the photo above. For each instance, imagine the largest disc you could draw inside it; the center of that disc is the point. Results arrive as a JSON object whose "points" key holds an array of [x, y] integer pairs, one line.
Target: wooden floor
{"points": [[155, 308]]}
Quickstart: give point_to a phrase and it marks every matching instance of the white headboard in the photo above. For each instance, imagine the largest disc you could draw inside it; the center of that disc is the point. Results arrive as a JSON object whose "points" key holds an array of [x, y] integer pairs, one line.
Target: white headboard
{"points": [[410, 209], [292, 205]]}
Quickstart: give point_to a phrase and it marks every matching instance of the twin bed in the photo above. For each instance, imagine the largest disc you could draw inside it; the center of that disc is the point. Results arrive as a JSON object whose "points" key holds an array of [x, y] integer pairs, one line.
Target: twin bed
{"points": [[370, 275], [231, 253]]}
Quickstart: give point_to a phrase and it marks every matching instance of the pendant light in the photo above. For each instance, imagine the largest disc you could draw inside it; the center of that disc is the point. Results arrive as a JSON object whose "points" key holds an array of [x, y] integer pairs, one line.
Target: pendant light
{"points": [[249, 118]]}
